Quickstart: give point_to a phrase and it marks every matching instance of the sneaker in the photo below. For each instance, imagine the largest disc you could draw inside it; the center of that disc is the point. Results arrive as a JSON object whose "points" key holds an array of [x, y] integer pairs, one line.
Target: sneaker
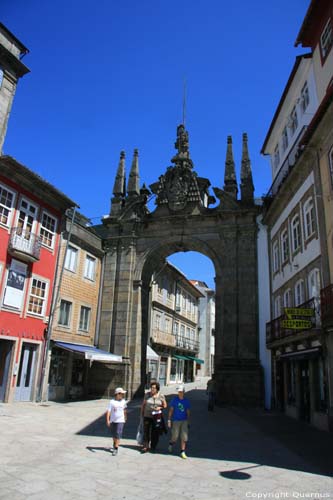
{"points": [[115, 452], [183, 454], [170, 448]]}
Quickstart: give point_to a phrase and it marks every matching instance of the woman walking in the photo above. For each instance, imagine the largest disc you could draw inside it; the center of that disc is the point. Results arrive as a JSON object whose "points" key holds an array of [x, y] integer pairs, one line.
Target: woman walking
{"points": [[152, 412]]}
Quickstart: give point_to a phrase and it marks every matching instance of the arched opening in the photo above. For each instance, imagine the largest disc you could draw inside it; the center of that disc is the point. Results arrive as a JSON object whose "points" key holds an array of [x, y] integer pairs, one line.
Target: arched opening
{"points": [[178, 314]]}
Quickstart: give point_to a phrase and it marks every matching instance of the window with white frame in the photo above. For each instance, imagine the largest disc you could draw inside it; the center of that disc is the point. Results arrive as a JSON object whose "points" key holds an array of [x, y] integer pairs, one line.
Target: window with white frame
{"points": [[276, 157], [167, 325], [71, 258], [296, 233], [330, 164], [7, 199], [305, 97], [293, 121], [299, 293], [309, 218], [284, 138], [184, 301], [175, 328], [314, 283], [285, 245], [277, 307], [37, 297], [90, 268], [182, 330], [47, 230], [157, 321], [287, 298], [85, 313], [326, 39], [65, 311], [276, 256], [178, 297]]}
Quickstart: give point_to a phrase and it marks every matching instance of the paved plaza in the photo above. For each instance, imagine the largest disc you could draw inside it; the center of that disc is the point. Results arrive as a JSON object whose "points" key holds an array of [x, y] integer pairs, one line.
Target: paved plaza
{"points": [[60, 451]]}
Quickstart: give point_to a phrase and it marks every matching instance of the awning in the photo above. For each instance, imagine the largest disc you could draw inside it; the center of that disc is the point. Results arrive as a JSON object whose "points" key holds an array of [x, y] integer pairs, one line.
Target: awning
{"points": [[151, 354], [303, 354], [179, 356], [90, 352], [197, 360]]}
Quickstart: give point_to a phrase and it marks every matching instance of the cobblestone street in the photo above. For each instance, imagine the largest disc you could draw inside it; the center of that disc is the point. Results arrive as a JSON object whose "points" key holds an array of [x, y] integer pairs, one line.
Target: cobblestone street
{"points": [[60, 451]]}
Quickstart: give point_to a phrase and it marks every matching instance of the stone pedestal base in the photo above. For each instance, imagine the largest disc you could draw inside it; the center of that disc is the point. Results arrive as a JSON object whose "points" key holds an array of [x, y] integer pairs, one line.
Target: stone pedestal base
{"points": [[240, 384]]}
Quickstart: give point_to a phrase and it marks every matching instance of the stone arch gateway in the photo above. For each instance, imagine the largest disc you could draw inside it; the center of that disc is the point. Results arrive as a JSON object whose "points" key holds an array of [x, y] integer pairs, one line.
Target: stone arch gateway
{"points": [[138, 241]]}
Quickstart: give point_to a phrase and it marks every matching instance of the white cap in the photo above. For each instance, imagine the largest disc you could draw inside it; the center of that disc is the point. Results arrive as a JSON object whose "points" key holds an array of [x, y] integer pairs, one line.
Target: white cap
{"points": [[119, 390], [180, 388]]}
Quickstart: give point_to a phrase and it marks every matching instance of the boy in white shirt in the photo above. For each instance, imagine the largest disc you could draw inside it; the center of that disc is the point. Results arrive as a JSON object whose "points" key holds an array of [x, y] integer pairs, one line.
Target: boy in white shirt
{"points": [[116, 417]]}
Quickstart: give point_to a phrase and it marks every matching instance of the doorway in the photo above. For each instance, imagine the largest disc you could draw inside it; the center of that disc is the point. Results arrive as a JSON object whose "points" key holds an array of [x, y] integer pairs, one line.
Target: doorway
{"points": [[5, 357], [305, 391], [163, 371], [26, 372]]}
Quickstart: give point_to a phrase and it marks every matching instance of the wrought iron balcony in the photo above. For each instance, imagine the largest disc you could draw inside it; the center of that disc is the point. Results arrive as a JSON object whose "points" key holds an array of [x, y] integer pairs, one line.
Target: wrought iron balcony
{"points": [[186, 343], [286, 167], [275, 330], [24, 244], [326, 300]]}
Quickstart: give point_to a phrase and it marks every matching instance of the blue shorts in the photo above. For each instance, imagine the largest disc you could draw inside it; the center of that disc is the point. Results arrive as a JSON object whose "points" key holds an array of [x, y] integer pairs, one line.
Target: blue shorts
{"points": [[117, 429]]}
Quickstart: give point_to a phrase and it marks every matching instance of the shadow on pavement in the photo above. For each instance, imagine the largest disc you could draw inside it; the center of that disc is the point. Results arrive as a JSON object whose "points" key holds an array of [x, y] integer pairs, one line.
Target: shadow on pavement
{"points": [[251, 436]]}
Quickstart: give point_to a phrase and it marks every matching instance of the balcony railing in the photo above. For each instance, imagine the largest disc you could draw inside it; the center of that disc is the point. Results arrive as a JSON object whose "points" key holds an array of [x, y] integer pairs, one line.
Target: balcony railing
{"points": [[326, 302], [286, 166], [24, 244], [186, 343], [164, 338], [274, 330]]}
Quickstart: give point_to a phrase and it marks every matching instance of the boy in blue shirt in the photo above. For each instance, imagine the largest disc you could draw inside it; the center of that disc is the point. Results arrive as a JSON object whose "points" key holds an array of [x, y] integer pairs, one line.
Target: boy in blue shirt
{"points": [[179, 414]]}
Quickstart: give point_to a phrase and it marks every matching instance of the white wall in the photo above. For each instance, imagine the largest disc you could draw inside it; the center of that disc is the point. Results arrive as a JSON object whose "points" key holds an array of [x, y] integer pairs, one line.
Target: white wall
{"points": [[264, 307]]}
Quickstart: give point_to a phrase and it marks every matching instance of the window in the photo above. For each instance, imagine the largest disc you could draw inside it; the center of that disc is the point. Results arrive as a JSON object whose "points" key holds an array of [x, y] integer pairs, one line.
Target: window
{"points": [[26, 218], [326, 39], [89, 268], [6, 205], [309, 218], [71, 258], [157, 321], [276, 157], [178, 300], [175, 328], [293, 121], [184, 301], [1, 77], [330, 164], [314, 283], [188, 303], [37, 297], [159, 288], [287, 298], [296, 233], [84, 318], [47, 230], [305, 98], [65, 313], [276, 257], [284, 139], [285, 245], [182, 330], [167, 325], [277, 307], [299, 293]]}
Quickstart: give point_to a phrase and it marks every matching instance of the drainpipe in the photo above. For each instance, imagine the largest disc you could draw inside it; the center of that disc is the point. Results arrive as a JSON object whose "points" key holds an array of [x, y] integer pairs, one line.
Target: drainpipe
{"points": [[54, 302]]}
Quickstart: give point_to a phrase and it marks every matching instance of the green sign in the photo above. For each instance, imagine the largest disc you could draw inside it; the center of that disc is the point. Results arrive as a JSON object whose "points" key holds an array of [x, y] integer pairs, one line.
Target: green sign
{"points": [[296, 324]]}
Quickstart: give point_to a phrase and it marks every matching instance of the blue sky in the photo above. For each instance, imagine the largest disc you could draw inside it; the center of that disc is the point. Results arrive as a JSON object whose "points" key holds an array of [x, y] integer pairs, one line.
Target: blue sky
{"points": [[108, 75]]}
